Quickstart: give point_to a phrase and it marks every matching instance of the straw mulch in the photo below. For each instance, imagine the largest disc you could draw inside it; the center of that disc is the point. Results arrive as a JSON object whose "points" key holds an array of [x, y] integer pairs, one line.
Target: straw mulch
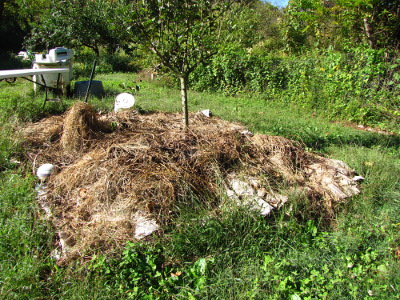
{"points": [[107, 179]]}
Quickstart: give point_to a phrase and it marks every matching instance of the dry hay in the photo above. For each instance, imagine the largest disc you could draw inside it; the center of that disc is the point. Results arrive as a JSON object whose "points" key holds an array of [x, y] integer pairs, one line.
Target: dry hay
{"points": [[80, 126], [150, 162], [46, 131]]}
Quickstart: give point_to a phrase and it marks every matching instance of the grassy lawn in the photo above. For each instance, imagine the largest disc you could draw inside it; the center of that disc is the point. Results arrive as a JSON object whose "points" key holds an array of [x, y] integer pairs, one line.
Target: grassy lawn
{"points": [[237, 254]]}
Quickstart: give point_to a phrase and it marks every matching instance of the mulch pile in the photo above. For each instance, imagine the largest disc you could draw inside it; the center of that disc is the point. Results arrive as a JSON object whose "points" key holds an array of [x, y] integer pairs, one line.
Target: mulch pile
{"points": [[117, 168]]}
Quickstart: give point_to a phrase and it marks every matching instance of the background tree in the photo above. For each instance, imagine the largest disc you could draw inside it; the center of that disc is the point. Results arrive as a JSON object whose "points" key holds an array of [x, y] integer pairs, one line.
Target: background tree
{"points": [[18, 17], [249, 56], [310, 24], [256, 24], [268, 26], [342, 23], [374, 22], [74, 23], [181, 33]]}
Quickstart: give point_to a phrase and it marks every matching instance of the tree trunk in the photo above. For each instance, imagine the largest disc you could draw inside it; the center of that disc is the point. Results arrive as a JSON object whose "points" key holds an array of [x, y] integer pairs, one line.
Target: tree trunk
{"points": [[368, 33], [185, 114]]}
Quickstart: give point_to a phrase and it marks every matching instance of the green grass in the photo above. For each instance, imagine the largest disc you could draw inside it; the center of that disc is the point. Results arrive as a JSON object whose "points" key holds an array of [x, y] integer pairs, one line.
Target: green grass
{"points": [[228, 254], [25, 239]]}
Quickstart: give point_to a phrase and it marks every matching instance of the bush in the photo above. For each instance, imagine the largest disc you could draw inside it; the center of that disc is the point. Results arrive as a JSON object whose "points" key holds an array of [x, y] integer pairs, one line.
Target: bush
{"points": [[118, 61], [360, 85], [237, 70]]}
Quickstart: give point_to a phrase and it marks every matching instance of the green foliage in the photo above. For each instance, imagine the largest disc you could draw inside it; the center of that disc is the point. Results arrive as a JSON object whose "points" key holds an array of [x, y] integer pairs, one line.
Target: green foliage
{"points": [[9, 61], [93, 24], [352, 276], [119, 61], [17, 19], [303, 19], [236, 70], [143, 273], [20, 103], [10, 148], [255, 24], [355, 86], [25, 240], [341, 23], [137, 274], [181, 34], [359, 85]]}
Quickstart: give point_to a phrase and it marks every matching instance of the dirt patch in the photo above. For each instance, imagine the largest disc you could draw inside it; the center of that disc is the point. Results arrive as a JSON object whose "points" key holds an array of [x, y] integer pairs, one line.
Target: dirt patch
{"points": [[118, 186]]}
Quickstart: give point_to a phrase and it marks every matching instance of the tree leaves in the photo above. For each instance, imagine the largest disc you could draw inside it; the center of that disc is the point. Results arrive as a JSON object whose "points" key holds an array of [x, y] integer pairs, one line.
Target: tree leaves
{"points": [[80, 22], [341, 23]]}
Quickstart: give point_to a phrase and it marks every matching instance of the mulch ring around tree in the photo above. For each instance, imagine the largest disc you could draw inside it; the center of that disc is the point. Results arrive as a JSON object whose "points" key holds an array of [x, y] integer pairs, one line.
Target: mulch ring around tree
{"points": [[120, 176]]}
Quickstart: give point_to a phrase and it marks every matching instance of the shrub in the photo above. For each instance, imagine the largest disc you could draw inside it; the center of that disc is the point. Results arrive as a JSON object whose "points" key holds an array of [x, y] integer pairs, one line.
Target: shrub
{"points": [[119, 61], [359, 85]]}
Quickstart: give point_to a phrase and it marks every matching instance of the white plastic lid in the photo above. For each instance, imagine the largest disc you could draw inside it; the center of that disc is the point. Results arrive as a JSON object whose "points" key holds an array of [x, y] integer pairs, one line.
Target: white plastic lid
{"points": [[123, 101]]}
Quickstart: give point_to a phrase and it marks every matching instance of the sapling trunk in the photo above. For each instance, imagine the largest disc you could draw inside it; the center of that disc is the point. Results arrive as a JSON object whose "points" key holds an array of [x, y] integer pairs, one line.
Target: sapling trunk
{"points": [[185, 114]]}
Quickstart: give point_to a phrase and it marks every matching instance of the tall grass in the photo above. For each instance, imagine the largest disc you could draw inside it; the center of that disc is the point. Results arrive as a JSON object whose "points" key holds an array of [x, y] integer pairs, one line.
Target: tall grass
{"points": [[209, 252]]}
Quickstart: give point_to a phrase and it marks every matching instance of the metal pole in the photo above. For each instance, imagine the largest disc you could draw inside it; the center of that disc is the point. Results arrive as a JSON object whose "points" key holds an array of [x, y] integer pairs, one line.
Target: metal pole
{"points": [[91, 79], [45, 89]]}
